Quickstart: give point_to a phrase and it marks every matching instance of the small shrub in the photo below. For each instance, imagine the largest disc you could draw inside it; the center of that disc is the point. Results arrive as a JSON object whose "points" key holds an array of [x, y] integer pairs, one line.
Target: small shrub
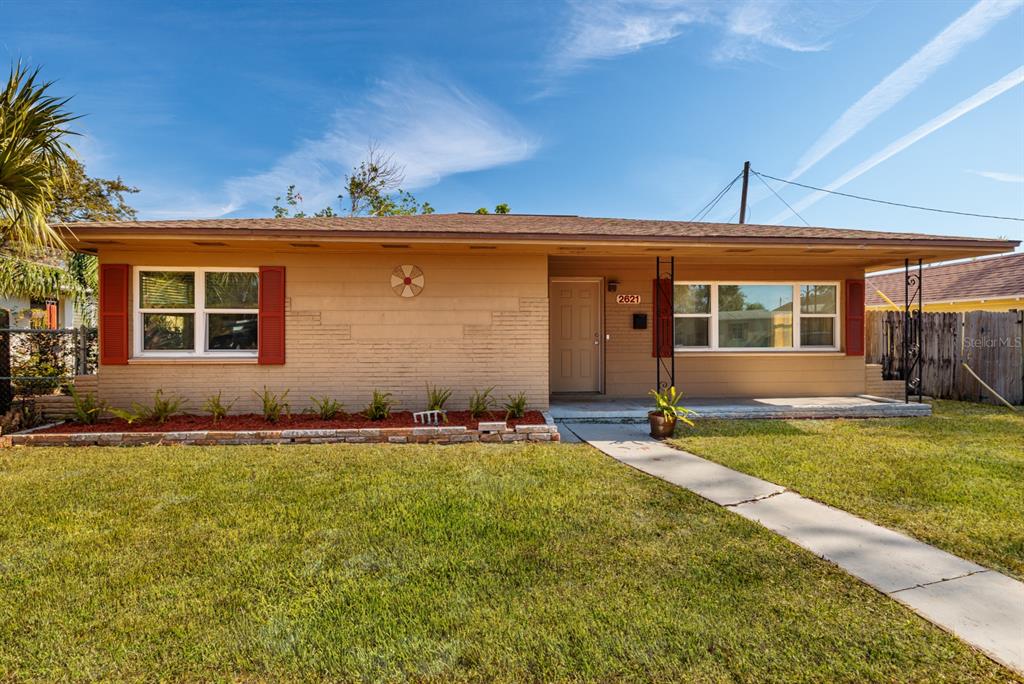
{"points": [[162, 409], [159, 412], [380, 406], [216, 408], [21, 416], [515, 407], [437, 397], [129, 416], [481, 402], [326, 408], [87, 407], [274, 405]]}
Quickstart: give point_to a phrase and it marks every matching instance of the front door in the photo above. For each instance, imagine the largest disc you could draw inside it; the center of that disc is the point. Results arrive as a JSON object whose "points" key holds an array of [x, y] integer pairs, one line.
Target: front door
{"points": [[575, 335]]}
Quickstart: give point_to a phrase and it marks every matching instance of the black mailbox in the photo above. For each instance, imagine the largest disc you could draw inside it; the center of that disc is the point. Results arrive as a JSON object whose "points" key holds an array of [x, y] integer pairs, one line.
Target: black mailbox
{"points": [[639, 321]]}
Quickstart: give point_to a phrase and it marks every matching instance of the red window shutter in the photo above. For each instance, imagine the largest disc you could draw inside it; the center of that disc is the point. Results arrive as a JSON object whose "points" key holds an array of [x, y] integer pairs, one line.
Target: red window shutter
{"points": [[662, 333], [115, 279], [51, 315], [855, 317], [271, 335]]}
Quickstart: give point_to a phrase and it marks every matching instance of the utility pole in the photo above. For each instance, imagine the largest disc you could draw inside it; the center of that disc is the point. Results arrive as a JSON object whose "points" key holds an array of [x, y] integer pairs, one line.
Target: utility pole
{"points": [[743, 197]]}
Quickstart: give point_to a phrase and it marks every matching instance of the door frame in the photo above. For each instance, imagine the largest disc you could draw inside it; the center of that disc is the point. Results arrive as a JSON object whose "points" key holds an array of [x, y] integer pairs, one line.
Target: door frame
{"points": [[601, 339]]}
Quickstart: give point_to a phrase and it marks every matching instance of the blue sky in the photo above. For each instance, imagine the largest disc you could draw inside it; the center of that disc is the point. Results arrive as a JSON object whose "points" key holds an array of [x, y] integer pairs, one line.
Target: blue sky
{"points": [[631, 109]]}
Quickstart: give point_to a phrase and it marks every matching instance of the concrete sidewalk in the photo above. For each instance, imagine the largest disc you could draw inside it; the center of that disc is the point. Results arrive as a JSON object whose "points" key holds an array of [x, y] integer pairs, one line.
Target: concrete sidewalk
{"points": [[981, 606]]}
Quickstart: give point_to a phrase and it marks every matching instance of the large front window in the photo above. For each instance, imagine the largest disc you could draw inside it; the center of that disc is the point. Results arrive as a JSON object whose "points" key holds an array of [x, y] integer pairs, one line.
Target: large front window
{"points": [[197, 312], [741, 316]]}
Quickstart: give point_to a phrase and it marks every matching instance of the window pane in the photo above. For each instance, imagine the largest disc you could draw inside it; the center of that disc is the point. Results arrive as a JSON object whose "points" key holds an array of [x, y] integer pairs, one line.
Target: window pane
{"points": [[168, 289], [759, 316], [818, 299], [232, 290], [231, 331], [691, 332], [168, 332], [692, 299], [817, 332]]}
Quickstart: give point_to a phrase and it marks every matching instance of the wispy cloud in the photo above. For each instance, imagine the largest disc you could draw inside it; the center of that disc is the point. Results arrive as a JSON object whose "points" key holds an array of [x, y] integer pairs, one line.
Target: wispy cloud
{"points": [[999, 176], [432, 129], [968, 28], [168, 204], [610, 28], [1011, 80]]}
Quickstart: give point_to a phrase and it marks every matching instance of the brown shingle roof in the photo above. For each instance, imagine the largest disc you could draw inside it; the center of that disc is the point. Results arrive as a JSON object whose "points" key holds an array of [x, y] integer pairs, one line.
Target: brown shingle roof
{"points": [[522, 226], [990, 278]]}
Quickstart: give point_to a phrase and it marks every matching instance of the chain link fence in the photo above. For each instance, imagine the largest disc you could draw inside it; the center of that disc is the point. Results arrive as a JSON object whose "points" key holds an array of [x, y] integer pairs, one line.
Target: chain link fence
{"points": [[37, 363]]}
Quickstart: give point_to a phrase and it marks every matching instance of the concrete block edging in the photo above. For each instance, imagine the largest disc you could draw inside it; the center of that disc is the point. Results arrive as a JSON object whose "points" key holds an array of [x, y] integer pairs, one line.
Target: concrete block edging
{"points": [[418, 435]]}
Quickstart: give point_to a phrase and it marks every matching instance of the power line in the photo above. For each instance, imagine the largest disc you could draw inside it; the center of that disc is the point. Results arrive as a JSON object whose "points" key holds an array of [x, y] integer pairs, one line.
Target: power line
{"points": [[706, 209], [765, 183], [894, 204]]}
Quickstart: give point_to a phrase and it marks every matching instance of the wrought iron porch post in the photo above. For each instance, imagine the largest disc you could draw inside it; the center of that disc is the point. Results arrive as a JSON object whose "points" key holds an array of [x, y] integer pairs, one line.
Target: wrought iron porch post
{"points": [[664, 268], [913, 329]]}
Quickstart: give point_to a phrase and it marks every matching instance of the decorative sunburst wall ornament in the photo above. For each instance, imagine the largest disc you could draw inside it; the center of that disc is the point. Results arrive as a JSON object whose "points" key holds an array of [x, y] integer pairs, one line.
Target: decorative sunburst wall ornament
{"points": [[407, 280]]}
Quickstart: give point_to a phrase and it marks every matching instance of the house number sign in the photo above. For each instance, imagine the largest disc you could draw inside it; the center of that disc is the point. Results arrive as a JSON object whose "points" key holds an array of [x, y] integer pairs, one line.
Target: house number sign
{"points": [[627, 299]]}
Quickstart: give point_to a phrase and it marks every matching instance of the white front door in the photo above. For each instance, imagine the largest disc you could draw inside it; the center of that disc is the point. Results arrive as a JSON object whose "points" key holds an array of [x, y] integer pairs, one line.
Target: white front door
{"points": [[575, 325]]}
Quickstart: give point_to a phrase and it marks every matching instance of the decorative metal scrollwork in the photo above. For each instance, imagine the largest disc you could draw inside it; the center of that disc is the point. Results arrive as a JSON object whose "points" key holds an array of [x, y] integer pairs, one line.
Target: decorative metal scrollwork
{"points": [[913, 321]]}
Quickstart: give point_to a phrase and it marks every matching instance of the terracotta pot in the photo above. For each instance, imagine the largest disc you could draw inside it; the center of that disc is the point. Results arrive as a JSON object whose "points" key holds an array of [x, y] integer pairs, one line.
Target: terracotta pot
{"points": [[661, 427]]}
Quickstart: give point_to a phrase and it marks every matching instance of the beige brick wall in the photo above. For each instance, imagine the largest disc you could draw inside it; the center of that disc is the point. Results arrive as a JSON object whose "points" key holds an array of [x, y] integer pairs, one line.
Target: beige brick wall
{"points": [[481, 320], [630, 369]]}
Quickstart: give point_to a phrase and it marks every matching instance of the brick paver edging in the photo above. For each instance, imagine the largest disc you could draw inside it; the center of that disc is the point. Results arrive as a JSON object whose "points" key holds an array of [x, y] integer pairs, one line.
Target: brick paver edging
{"points": [[418, 435]]}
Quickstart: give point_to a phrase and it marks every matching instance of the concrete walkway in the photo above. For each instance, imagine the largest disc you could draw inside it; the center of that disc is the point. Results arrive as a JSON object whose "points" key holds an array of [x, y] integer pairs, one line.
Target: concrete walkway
{"points": [[981, 606]]}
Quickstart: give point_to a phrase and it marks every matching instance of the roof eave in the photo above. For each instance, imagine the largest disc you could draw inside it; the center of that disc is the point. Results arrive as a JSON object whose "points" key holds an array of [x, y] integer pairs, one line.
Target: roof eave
{"points": [[82, 234]]}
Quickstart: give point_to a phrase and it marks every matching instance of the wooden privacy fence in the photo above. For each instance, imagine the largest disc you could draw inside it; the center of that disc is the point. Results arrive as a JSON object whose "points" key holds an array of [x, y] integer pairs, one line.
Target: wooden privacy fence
{"points": [[989, 342]]}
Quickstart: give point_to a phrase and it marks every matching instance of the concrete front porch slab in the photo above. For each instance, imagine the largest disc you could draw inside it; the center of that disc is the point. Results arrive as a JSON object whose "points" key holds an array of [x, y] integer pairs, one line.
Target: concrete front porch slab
{"points": [[598, 408], [630, 444], [986, 609], [887, 560]]}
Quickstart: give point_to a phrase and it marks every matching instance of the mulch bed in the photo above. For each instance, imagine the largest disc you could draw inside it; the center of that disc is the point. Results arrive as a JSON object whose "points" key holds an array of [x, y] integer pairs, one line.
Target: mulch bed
{"points": [[301, 421]]}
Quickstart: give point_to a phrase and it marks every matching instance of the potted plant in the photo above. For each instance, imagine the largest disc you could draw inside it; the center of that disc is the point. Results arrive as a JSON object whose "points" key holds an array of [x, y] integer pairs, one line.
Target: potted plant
{"points": [[667, 412]]}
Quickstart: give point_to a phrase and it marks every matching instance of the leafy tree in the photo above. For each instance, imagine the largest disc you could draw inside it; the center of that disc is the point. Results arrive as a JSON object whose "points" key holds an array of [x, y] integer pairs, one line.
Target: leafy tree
{"points": [[34, 157], [373, 189], [41, 183], [502, 208], [293, 200], [45, 271], [80, 197]]}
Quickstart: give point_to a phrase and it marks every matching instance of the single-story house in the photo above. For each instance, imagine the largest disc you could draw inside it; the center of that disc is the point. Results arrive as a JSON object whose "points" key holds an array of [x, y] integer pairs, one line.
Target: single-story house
{"points": [[988, 284], [539, 304]]}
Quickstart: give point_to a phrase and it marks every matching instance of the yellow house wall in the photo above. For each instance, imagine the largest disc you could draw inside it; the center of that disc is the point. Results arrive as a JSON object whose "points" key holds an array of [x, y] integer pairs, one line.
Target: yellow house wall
{"points": [[968, 305], [481, 320], [629, 368]]}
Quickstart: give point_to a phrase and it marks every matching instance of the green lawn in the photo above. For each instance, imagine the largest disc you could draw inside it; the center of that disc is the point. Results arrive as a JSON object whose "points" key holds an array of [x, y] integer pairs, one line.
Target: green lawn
{"points": [[472, 562], [955, 480]]}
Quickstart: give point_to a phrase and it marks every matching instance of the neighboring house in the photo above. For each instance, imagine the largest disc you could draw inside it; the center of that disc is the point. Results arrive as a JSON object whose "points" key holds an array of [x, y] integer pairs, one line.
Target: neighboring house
{"points": [[39, 292], [539, 304], [53, 312], [989, 284]]}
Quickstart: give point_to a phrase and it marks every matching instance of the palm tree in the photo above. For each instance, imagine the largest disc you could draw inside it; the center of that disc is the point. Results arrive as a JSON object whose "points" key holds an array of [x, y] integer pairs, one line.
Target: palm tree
{"points": [[34, 154]]}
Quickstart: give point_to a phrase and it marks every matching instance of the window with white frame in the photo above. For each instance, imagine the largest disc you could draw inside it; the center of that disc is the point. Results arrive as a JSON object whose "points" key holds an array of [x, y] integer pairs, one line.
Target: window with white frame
{"points": [[196, 312], [756, 316]]}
